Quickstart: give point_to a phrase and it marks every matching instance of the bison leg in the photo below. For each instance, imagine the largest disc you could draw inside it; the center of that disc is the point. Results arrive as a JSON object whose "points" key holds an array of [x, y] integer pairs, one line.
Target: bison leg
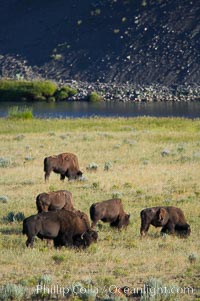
{"points": [[57, 242], [68, 240], [116, 223], [30, 241], [46, 176], [62, 177], [144, 229], [63, 240], [168, 228], [93, 225]]}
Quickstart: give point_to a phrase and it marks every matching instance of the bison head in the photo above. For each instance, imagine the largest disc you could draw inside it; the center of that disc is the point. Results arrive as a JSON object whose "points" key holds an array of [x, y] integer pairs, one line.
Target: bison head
{"points": [[126, 220], [71, 175], [85, 239], [122, 221], [183, 230]]}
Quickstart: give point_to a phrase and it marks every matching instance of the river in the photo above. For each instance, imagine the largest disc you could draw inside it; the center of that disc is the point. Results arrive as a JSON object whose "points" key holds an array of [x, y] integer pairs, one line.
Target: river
{"points": [[106, 109]]}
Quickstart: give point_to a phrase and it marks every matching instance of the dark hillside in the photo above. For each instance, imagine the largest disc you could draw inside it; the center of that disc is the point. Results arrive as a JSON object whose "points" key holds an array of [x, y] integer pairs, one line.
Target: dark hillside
{"points": [[139, 41]]}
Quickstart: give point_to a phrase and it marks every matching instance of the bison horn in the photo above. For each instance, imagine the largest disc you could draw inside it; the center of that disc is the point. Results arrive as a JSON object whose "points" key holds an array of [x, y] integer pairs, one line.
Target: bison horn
{"points": [[82, 235]]}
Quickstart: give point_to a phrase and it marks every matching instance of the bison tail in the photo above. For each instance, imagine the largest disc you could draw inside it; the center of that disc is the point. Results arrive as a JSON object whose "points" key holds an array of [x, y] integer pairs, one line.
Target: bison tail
{"points": [[92, 211], [45, 164], [24, 228]]}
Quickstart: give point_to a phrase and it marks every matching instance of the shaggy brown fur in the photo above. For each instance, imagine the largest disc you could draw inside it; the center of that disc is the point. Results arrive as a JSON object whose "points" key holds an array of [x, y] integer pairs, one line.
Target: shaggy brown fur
{"points": [[65, 228], [65, 164], [110, 211], [170, 218], [55, 200]]}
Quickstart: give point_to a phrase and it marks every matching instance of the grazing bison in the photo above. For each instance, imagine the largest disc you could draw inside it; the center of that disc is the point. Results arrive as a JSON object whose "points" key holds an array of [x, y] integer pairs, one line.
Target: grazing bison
{"points": [[63, 227], [110, 211], [56, 200], [170, 218], [64, 164]]}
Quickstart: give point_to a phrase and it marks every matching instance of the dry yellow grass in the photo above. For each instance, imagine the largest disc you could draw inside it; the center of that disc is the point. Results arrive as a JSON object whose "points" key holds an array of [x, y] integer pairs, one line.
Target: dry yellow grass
{"points": [[154, 162]]}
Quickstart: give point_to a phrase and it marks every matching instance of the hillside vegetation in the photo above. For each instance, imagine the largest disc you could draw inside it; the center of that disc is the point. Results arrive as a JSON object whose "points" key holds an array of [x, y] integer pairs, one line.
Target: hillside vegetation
{"points": [[144, 161]]}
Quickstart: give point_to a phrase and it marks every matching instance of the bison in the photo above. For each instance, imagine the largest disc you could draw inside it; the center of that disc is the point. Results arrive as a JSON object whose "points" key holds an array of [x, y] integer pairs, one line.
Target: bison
{"points": [[171, 219], [110, 211], [65, 164], [65, 228], [56, 200]]}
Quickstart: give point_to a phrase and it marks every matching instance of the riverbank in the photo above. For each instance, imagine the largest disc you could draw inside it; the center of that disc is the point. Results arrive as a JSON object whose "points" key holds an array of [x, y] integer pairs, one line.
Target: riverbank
{"points": [[108, 91], [113, 92]]}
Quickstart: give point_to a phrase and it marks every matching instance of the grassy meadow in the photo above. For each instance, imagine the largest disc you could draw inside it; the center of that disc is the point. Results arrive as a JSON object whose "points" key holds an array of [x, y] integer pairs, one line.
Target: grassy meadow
{"points": [[145, 161]]}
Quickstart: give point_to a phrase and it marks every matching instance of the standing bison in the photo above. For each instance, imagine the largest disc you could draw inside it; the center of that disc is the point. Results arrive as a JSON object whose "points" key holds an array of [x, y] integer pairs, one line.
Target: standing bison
{"points": [[170, 218], [65, 164], [65, 228], [110, 211], [56, 200]]}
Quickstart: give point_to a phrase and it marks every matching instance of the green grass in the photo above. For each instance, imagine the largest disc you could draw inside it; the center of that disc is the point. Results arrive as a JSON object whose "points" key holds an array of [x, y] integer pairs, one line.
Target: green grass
{"points": [[163, 129], [139, 174], [20, 113]]}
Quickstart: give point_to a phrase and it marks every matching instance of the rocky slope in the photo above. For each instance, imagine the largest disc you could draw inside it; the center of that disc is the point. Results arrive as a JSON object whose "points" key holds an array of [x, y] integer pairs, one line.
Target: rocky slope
{"points": [[127, 42]]}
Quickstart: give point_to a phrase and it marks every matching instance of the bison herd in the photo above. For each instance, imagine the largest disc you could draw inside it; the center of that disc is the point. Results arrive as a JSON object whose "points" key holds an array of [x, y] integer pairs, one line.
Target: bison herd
{"points": [[58, 220]]}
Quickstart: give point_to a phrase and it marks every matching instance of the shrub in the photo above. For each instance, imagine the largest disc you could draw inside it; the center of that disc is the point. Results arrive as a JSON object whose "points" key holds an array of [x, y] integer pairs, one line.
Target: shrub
{"points": [[92, 166], [29, 158], [28, 182], [165, 153], [51, 99], [21, 90], [107, 166], [94, 97], [45, 279], [156, 290], [20, 113], [95, 185], [85, 292], [117, 195], [192, 258], [12, 217], [19, 216], [44, 293], [180, 148], [13, 292], [61, 95], [5, 162], [9, 217], [58, 258], [64, 93], [51, 134], [19, 137], [3, 199]]}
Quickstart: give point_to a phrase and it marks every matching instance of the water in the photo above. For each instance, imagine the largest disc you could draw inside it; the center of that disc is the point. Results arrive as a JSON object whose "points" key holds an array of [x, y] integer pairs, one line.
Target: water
{"points": [[105, 109]]}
